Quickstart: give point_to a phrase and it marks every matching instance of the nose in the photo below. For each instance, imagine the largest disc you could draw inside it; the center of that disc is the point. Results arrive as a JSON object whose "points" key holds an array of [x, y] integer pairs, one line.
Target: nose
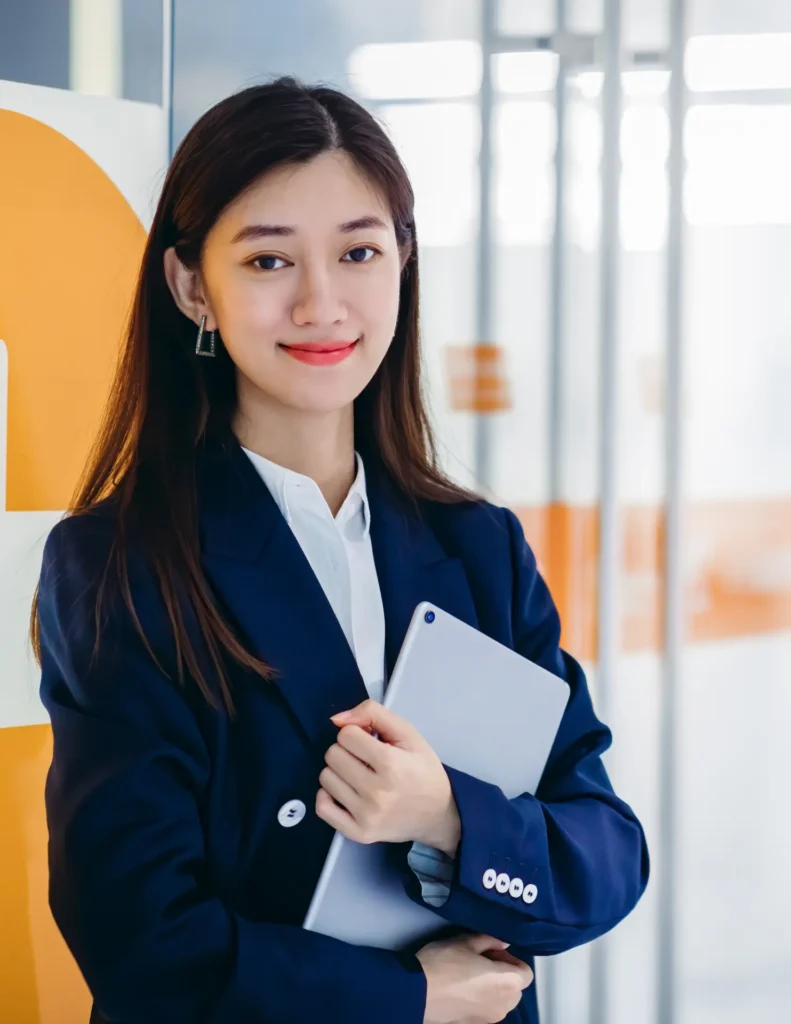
{"points": [[318, 302]]}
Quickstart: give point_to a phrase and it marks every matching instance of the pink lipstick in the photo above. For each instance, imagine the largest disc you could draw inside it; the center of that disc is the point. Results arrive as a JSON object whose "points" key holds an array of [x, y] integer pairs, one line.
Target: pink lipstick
{"points": [[321, 353]]}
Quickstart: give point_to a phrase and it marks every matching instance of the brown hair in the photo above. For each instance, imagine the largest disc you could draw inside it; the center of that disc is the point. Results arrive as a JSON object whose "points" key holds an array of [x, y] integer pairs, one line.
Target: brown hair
{"points": [[165, 402]]}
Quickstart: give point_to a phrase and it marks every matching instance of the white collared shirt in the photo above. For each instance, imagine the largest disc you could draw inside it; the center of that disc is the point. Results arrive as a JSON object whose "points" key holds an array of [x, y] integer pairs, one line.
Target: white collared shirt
{"points": [[340, 554]]}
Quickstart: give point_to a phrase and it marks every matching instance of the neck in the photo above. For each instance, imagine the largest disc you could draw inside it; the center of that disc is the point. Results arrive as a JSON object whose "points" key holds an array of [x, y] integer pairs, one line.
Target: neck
{"points": [[317, 445]]}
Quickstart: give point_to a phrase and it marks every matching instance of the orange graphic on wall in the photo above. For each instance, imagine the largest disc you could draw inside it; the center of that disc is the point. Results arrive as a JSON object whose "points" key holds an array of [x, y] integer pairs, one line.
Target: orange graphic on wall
{"points": [[737, 556], [71, 246], [477, 379]]}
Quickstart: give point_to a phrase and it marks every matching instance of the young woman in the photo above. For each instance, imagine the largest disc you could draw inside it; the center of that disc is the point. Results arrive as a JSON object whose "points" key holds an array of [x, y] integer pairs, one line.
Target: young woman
{"points": [[218, 615]]}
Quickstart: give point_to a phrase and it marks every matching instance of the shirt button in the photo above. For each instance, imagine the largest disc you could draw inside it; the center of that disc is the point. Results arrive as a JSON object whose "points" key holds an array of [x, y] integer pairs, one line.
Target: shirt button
{"points": [[530, 893], [489, 878], [503, 883], [517, 887], [291, 814]]}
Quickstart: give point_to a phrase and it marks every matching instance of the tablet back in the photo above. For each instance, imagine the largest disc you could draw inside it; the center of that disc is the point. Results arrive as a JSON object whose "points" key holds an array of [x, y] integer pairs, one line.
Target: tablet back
{"points": [[486, 711]]}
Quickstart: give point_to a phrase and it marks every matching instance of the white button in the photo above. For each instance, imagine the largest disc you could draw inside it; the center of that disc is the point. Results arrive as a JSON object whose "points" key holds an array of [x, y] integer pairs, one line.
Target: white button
{"points": [[489, 878], [291, 814], [517, 885], [530, 893], [503, 882]]}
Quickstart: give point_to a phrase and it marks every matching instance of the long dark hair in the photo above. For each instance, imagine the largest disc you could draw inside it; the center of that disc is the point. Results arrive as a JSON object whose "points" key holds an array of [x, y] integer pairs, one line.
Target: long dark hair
{"points": [[165, 403]]}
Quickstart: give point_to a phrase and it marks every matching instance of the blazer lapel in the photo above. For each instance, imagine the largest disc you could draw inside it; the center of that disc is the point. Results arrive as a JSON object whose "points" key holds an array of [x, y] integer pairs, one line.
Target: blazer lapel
{"points": [[265, 583], [262, 577], [412, 566]]}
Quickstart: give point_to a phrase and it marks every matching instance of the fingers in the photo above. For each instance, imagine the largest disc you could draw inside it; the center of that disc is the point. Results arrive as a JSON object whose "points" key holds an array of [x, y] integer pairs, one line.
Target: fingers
{"points": [[513, 966], [502, 956], [484, 943], [526, 973], [375, 717], [340, 790], [336, 817], [365, 747], [349, 767], [496, 951]]}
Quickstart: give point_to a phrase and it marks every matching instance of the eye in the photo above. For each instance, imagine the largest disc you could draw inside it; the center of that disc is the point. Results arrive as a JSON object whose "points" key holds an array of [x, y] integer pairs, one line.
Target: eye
{"points": [[362, 254], [268, 263]]}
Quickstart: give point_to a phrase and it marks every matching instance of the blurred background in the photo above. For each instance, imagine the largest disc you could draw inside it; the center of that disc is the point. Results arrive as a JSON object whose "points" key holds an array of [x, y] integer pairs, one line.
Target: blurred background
{"points": [[604, 214]]}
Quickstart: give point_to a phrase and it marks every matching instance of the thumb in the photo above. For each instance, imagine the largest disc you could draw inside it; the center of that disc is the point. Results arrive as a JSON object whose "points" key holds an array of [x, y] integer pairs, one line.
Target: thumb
{"points": [[375, 718], [508, 963], [485, 943]]}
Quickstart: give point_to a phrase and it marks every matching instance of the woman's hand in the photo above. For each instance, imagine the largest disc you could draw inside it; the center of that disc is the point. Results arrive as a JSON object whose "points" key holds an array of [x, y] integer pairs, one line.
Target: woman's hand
{"points": [[391, 789], [471, 980]]}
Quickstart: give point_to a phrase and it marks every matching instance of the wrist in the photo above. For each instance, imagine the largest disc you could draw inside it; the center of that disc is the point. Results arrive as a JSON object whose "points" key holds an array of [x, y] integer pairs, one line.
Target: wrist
{"points": [[444, 834]]}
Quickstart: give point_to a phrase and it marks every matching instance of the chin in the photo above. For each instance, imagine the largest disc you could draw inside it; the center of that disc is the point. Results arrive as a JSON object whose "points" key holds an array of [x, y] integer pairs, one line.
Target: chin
{"points": [[319, 401]]}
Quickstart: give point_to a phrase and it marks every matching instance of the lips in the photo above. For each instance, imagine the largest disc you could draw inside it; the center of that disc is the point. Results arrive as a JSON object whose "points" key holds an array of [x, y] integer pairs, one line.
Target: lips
{"points": [[320, 353]]}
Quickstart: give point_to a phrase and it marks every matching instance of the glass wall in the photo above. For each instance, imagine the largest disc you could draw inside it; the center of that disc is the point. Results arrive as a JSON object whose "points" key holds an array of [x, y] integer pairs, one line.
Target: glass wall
{"points": [[734, 897], [98, 47]]}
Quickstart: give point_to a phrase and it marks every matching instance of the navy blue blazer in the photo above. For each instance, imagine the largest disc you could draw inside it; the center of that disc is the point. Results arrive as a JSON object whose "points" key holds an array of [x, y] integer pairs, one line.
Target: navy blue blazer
{"points": [[177, 891]]}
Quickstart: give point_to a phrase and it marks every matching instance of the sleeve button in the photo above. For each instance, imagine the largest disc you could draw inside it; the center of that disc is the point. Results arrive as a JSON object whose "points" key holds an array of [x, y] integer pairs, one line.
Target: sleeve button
{"points": [[530, 893], [489, 879]]}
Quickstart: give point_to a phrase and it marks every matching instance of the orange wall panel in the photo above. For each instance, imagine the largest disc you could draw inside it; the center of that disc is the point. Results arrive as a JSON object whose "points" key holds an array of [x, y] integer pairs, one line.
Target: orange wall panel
{"points": [[39, 981], [738, 556], [68, 264]]}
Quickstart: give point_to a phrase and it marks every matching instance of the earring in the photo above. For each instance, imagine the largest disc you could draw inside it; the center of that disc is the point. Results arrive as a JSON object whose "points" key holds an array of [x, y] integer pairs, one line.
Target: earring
{"points": [[198, 351]]}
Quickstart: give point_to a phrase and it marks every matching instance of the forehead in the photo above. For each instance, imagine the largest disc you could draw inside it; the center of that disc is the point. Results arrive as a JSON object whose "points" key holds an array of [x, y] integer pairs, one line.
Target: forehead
{"points": [[325, 192]]}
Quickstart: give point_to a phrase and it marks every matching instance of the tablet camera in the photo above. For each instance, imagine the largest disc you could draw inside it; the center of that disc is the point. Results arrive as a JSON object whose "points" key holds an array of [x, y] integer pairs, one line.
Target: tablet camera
{"points": [[430, 616]]}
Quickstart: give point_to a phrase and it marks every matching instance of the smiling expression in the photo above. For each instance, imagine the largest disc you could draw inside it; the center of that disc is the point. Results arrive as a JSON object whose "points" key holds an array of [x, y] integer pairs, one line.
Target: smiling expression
{"points": [[302, 274]]}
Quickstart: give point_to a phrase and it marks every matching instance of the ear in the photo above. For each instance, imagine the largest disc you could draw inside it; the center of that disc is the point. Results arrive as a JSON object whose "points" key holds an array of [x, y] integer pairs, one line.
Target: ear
{"points": [[188, 291]]}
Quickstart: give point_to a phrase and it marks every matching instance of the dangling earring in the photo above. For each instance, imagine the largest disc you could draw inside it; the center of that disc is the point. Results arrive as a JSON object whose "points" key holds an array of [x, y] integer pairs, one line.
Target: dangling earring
{"points": [[198, 350]]}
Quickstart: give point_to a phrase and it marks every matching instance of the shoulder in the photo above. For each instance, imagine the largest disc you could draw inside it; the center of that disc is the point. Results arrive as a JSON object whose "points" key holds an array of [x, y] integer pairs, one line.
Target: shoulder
{"points": [[504, 575], [512, 600], [479, 526], [81, 562], [489, 541], [79, 543], [77, 554], [81, 546], [99, 613]]}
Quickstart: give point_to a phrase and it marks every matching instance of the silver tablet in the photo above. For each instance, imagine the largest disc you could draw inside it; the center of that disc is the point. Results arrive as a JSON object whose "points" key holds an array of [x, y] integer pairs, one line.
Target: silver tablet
{"points": [[486, 711]]}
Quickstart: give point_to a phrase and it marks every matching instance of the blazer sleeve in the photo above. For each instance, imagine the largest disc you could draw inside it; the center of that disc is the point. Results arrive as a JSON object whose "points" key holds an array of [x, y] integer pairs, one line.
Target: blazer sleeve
{"points": [[558, 869], [129, 885]]}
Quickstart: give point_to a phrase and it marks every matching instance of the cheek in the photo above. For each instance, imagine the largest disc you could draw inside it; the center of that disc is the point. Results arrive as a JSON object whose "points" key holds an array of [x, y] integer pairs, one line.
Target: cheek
{"points": [[252, 322], [252, 311], [378, 307]]}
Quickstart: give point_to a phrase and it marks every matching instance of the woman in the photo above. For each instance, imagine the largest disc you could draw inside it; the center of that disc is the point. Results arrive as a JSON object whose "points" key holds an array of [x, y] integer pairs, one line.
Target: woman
{"points": [[217, 617]]}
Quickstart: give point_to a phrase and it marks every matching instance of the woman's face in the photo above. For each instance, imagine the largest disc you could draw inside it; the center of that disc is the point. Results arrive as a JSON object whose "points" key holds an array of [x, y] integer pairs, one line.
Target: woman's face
{"points": [[301, 274]]}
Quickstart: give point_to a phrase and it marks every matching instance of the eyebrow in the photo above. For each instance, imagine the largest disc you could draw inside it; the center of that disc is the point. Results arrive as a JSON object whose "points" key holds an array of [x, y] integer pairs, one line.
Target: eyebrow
{"points": [[255, 231]]}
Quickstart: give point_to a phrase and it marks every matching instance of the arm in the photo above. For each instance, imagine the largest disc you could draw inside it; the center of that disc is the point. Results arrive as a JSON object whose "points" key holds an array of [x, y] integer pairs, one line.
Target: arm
{"points": [[575, 853], [128, 880]]}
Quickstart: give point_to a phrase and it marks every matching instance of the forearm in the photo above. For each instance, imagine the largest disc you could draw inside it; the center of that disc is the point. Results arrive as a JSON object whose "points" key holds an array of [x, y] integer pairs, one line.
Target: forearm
{"points": [[535, 873]]}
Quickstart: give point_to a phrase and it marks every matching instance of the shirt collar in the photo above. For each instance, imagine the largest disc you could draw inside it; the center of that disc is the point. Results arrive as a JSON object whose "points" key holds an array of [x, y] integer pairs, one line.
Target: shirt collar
{"points": [[292, 490]]}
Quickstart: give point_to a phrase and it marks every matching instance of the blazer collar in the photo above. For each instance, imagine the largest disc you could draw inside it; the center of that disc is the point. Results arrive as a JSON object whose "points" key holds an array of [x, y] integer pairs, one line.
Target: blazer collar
{"points": [[293, 492], [265, 583]]}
